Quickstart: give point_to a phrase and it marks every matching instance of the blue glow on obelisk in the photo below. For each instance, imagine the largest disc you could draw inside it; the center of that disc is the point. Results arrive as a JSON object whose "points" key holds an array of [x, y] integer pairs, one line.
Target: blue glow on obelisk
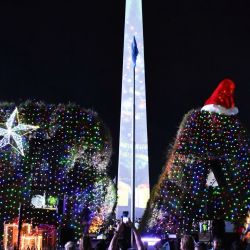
{"points": [[133, 28]]}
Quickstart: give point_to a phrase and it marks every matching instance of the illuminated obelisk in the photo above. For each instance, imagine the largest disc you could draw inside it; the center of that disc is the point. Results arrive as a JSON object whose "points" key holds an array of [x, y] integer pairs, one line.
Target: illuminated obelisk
{"points": [[133, 28]]}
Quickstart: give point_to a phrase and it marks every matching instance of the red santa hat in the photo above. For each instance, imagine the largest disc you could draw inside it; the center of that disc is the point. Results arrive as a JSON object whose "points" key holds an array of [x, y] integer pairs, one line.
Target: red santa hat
{"points": [[222, 100]]}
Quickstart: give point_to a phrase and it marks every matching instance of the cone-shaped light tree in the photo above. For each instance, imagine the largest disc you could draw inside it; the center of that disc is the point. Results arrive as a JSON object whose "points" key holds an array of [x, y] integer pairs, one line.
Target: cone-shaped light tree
{"points": [[207, 173]]}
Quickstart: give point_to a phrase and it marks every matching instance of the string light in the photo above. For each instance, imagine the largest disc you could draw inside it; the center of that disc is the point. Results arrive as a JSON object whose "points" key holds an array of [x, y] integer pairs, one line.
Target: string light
{"points": [[66, 158], [205, 141]]}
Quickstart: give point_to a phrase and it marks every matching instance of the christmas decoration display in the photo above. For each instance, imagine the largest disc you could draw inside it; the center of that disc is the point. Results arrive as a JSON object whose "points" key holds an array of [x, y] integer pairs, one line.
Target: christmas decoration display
{"points": [[210, 142], [13, 133], [39, 237], [10, 235], [57, 170]]}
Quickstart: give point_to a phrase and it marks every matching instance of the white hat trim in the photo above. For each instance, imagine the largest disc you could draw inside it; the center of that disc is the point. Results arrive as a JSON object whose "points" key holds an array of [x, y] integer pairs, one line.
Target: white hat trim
{"points": [[213, 108]]}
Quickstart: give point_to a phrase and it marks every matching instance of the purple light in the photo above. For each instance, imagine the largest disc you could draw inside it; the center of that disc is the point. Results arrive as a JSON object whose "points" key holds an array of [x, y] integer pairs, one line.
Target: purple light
{"points": [[150, 240]]}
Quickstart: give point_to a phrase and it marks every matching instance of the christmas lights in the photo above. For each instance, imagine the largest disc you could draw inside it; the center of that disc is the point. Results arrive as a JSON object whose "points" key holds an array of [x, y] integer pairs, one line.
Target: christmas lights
{"points": [[65, 158], [13, 132], [205, 142], [207, 175], [40, 237]]}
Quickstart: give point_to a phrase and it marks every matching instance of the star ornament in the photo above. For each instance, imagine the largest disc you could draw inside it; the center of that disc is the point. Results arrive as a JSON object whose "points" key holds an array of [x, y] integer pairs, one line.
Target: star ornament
{"points": [[14, 131]]}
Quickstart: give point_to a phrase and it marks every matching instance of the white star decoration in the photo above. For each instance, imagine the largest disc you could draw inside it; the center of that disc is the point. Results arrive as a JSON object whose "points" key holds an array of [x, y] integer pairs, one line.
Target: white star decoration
{"points": [[12, 134]]}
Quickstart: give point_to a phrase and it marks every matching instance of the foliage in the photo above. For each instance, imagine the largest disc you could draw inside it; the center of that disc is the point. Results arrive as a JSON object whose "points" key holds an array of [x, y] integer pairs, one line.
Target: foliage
{"points": [[205, 141], [65, 158]]}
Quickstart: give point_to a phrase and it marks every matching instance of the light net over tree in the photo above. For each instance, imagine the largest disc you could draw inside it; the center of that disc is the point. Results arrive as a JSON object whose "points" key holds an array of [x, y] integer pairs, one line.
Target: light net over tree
{"points": [[53, 160], [207, 173]]}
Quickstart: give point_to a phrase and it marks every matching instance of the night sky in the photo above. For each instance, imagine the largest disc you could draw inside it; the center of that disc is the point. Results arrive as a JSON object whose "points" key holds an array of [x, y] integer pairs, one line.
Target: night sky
{"points": [[73, 52]]}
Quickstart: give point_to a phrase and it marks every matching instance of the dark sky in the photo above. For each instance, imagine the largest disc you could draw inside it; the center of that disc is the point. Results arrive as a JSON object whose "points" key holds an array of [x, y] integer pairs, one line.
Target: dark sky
{"points": [[73, 52]]}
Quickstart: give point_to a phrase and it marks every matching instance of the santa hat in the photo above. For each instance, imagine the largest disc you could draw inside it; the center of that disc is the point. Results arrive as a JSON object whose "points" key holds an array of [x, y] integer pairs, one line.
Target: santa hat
{"points": [[222, 101]]}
